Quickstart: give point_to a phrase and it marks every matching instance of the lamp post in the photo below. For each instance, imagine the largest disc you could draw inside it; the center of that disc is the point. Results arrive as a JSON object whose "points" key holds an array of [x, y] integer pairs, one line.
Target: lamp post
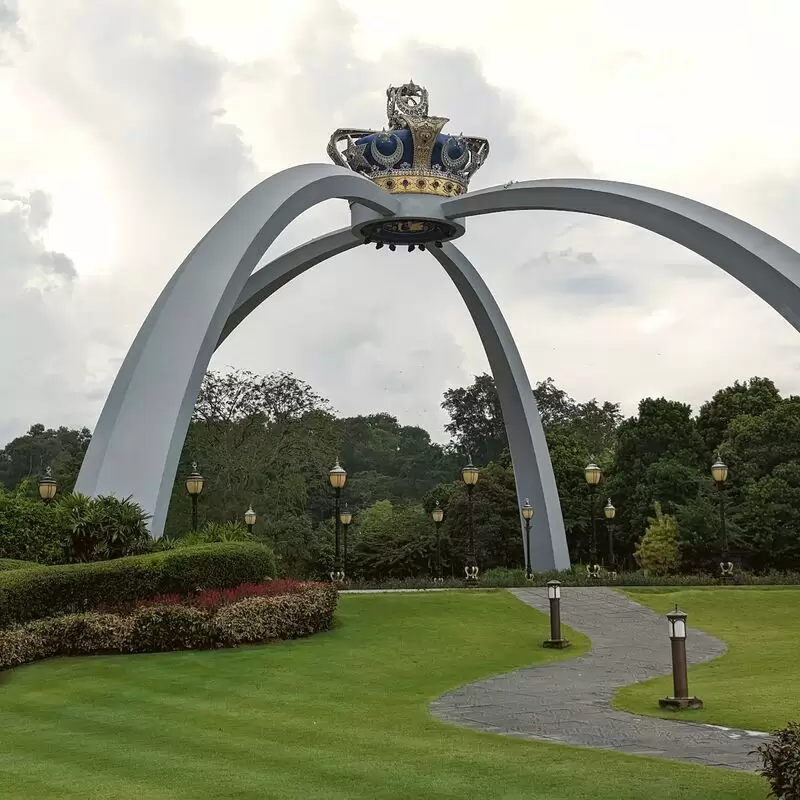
{"points": [[719, 472], [470, 475], [437, 515], [338, 478], [250, 518], [47, 486], [680, 681], [610, 513], [554, 596], [527, 515], [345, 517], [194, 485], [593, 475]]}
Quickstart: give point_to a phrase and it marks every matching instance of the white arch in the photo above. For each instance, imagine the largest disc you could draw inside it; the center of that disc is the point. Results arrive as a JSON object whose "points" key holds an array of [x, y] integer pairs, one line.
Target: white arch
{"points": [[138, 439], [761, 262]]}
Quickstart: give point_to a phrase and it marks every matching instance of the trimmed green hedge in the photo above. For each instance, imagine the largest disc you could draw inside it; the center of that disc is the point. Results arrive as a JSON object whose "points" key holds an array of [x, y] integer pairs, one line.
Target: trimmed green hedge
{"points": [[172, 627], [38, 593], [13, 563]]}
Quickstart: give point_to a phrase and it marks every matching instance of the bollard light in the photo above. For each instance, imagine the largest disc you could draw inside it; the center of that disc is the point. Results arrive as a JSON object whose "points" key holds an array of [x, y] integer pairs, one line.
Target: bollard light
{"points": [[554, 596], [680, 699]]}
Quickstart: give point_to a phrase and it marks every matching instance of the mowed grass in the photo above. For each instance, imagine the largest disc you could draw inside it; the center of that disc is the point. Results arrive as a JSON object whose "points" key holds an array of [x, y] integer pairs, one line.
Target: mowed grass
{"points": [[756, 684], [340, 716]]}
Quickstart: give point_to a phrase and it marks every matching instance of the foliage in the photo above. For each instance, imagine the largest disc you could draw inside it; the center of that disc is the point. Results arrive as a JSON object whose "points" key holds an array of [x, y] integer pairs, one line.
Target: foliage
{"points": [[13, 563], [33, 594], [751, 397], [211, 599], [28, 456], [215, 532], [72, 528], [781, 762], [658, 550], [104, 528], [307, 609]]}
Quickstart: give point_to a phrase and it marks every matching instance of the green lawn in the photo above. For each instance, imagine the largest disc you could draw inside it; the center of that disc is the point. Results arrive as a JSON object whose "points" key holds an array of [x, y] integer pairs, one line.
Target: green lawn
{"points": [[339, 716], [755, 685]]}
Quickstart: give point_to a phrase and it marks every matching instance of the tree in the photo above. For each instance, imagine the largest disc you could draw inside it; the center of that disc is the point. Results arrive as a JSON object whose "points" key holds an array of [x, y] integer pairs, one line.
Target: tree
{"points": [[658, 550], [660, 456], [752, 397], [476, 419], [28, 456]]}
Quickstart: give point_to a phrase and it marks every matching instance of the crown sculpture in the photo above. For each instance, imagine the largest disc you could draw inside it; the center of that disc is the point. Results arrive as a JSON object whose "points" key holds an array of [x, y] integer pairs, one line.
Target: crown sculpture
{"points": [[412, 157]]}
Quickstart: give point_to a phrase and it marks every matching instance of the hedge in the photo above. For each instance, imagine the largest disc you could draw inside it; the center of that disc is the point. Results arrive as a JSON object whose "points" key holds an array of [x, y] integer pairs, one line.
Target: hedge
{"points": [[38, 593], [172, 627], [13, 563]]}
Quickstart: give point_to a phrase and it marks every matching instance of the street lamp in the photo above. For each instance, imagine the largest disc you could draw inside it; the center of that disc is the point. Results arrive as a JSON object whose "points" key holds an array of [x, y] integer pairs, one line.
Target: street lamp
{"points": [[527, 515], [593, 475], [338, 478], [470, 475], [719, 472], [680, 681], [47, 486], [250, 518], [610, 513], [438, 515], [554, 596], [194, 485], [345, 517]]}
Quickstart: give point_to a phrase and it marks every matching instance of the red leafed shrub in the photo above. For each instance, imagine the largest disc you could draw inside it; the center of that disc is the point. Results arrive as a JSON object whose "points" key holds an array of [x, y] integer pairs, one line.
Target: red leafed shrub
{"points": [[259, 613], [212, 599]]}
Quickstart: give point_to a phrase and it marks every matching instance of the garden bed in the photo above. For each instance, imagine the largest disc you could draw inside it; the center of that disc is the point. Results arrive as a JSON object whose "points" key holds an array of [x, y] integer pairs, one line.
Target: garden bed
{"points": [[247, 614]]}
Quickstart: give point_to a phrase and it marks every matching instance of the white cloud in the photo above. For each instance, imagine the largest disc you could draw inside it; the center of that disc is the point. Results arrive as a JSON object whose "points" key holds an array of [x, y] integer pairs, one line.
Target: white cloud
{"points": [[143, 121]]}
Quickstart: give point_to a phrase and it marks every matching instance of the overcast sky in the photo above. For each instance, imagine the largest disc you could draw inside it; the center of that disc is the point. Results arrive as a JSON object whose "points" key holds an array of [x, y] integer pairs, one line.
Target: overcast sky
{"points": [[130, 126]]}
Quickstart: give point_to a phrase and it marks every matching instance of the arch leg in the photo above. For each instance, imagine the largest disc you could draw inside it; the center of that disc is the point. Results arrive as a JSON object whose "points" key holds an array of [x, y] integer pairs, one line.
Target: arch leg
{"points": [[135, 450], [533, 469]]}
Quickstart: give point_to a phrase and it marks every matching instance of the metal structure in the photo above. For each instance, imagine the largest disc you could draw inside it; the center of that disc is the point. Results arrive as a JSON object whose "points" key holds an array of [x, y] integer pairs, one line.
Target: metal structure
{"points": [[414, 196]]}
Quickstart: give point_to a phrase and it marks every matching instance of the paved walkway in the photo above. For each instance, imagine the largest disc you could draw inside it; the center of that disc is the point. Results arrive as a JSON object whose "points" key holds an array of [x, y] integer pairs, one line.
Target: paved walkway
{"points": [[570, 702]]}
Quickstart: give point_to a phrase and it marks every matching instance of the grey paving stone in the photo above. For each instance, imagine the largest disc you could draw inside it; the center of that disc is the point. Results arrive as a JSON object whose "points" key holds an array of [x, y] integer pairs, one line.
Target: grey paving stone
{"points": [[570, 702]]}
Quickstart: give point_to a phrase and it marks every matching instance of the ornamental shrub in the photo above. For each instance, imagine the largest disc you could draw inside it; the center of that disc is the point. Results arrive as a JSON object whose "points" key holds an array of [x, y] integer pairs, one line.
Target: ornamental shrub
{"points": [[172, 627], [781, 762], [658, 552], [34, 594], [13, 563]]}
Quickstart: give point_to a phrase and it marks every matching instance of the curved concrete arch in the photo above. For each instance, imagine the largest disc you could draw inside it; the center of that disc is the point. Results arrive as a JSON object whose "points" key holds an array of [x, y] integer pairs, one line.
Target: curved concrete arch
{"points": [[532, 467], [762, 263], [138, 439], [533, 470]]}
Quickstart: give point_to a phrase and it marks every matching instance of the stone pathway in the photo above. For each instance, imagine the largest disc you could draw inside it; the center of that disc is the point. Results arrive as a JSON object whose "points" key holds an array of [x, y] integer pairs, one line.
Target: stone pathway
{"points": [[570, 702]]}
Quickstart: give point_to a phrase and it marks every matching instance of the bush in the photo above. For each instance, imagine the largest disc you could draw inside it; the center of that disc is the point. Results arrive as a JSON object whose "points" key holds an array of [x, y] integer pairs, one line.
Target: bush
{"points": [[658, 551], [172, 627], [34, 594], [32, 530], [781, 759], [13, 563]]}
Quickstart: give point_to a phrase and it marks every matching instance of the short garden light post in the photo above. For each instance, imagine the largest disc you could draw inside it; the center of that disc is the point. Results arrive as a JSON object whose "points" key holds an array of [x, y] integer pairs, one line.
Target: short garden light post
{"points": [[338, 478], [554, 596], [48, 486], [680, 681], [437, 515], [194, 486], [593, 475], [250, 518], [345, 517], [719, 472], [470, 475], [527, 515], [610, 513]]}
